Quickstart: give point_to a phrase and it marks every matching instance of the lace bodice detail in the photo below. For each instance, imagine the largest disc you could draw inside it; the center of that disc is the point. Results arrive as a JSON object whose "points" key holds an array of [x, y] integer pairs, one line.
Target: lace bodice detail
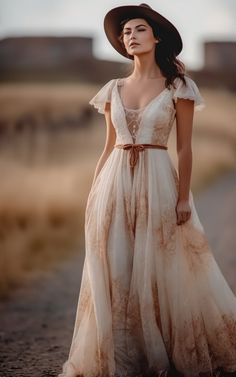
{"points": [[133, 119]]}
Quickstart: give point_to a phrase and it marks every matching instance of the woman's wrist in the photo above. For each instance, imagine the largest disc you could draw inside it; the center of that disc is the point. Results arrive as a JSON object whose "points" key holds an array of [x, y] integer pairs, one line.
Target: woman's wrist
{"points": [[183, 198]]}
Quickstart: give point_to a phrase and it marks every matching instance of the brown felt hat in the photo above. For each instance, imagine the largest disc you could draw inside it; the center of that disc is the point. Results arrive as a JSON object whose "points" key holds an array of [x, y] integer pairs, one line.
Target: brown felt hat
{"points": [[166, 30]]}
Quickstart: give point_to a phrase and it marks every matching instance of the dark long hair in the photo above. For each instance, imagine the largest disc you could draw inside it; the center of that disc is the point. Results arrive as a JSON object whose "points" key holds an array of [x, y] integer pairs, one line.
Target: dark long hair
{"points": [[170, 66]]}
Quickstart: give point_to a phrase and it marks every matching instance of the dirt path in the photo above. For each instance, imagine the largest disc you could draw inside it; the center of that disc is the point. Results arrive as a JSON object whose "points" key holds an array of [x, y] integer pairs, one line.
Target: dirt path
{"points": [[36, 323]]}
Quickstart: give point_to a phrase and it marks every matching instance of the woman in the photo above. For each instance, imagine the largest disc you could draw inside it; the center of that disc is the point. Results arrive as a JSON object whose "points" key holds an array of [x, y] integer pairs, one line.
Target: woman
{"points": [[152, 301]]}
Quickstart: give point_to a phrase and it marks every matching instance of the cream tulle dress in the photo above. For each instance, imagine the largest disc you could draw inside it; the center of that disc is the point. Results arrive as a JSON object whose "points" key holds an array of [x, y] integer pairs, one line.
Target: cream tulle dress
{"points": [[152, 295]]}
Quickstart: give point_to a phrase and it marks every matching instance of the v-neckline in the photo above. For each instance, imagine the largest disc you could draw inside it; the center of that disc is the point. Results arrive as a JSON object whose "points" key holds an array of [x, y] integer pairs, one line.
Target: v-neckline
{"points": [[143, 108]]}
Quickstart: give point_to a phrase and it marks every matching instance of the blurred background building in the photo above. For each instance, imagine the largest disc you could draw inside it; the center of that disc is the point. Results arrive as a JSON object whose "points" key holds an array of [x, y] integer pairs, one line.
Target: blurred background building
{"points": [[53, 59]]}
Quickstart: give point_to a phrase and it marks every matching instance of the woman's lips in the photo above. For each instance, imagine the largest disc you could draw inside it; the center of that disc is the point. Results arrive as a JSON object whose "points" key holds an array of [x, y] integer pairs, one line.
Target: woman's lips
{"points": [[134, 44]]}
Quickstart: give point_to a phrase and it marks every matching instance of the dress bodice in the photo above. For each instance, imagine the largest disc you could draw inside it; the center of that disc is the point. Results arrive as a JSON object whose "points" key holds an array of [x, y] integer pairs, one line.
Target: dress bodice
{"points": [[151, 124]]}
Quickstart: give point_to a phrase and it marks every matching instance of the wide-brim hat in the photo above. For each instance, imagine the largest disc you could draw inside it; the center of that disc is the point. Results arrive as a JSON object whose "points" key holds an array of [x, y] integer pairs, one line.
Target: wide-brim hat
{"points": [[166, 30]]}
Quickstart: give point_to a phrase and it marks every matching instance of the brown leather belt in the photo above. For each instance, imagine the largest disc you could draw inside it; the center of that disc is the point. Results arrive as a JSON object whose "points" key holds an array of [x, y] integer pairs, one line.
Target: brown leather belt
{"points": [[135, 149]]}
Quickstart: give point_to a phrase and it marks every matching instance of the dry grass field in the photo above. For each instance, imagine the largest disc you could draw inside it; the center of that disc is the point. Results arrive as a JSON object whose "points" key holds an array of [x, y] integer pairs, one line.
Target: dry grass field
{"points": [[50, 141]]}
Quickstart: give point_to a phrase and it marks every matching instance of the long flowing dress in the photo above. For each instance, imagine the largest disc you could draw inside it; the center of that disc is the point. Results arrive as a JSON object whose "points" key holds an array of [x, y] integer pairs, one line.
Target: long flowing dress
{"points": [[152, 296]]}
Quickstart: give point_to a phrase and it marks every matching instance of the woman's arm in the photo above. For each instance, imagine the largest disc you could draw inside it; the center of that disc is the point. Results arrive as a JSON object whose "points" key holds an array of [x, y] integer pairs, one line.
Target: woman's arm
{"points": [[109, 143], [184, 123]]}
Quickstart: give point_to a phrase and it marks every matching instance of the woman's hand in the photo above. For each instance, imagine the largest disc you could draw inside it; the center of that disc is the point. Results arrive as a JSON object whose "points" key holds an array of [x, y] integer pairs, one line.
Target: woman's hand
{"points": [[183, 211]]}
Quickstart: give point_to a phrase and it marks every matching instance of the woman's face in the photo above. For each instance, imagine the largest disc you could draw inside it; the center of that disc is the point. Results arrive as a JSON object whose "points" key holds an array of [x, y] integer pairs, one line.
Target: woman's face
{"points": [[138, 37]]}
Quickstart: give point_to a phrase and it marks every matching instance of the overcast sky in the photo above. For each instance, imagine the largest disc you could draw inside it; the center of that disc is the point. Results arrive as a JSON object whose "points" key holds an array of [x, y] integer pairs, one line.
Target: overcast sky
{"points": [[196, 21]]}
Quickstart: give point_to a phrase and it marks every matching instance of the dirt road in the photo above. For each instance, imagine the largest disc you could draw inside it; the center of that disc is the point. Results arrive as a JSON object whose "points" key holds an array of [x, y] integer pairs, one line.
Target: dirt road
{"points": [[36, 323]]}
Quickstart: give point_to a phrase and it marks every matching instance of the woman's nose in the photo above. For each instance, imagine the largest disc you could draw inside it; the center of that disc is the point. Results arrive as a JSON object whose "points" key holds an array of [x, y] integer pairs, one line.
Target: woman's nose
{"points": [[132, 34]]}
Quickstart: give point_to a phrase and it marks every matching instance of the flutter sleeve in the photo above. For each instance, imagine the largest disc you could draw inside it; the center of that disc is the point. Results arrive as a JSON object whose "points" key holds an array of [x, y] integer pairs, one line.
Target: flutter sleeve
{"points": [[103, 96], [188, 91]]}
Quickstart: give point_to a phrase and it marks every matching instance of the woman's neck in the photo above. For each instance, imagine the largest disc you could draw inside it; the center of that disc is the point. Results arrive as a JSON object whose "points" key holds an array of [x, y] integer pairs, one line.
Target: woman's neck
{"points": [[145, 68]]}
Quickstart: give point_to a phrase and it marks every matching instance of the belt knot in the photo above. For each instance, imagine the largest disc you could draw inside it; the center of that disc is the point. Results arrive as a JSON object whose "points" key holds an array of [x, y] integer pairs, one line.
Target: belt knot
{"points": [[136, 148], [134, 152]]}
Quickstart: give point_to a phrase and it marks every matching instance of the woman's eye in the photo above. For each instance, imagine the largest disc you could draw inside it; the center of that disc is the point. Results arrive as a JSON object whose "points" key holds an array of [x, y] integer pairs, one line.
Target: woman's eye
{"points": [[128, 32]]}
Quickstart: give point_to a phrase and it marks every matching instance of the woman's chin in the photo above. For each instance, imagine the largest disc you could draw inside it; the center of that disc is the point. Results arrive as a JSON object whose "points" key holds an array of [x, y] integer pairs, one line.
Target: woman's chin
{"points": [[136, 52]]}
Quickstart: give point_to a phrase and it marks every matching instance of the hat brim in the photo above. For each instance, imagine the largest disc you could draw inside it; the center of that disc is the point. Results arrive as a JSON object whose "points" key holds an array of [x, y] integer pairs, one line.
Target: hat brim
{"points": [[166, 30]]}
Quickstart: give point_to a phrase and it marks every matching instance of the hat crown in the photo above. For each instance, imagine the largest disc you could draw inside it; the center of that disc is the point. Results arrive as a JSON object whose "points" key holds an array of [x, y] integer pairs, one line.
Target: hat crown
{"points": [[145, 5]]}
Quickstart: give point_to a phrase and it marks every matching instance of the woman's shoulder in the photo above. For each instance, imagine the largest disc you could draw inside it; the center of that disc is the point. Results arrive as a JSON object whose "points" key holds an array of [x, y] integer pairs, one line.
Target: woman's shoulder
{"points": [[188, 89], [103, 96], [185, 80]]}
